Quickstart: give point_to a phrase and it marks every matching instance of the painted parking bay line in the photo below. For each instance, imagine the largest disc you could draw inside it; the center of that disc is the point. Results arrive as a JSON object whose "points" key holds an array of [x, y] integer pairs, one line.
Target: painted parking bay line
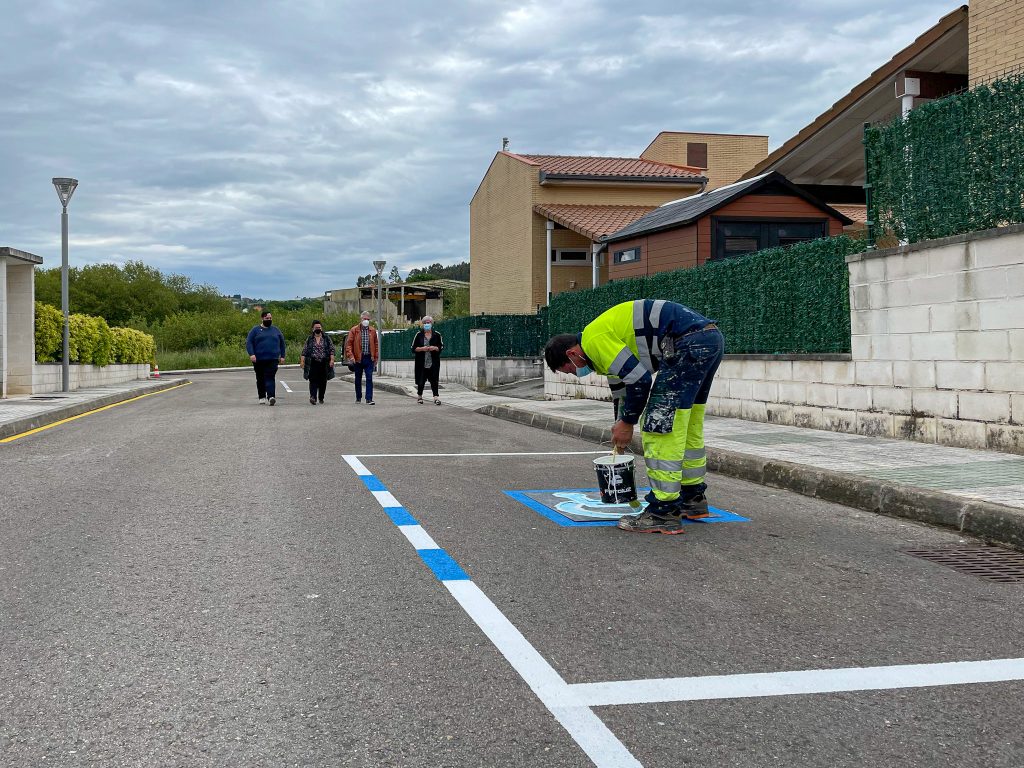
{"points": [[580, 722], [809, 681]]}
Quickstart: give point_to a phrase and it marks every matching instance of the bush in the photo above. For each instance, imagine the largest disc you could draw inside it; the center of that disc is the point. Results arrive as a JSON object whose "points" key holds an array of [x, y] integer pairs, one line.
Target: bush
{"points": [[132, 346], [49, 333], [91, 341]]}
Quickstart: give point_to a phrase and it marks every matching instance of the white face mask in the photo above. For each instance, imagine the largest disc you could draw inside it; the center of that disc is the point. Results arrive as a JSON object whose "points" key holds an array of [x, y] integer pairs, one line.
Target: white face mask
{"points": [[366, 323]]}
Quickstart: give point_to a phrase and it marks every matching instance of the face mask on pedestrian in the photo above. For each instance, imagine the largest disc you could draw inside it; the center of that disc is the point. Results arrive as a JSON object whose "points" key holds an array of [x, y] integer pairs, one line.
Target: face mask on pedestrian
{"points": [[581, 371], [267, 321], [366, 323], [427, 326], [318, 331]]}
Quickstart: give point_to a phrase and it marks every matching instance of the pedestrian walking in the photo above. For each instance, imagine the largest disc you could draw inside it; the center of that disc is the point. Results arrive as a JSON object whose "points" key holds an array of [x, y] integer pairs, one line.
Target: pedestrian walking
{"points": [[317, 361], [265, 345], [427, 346], [363, 348], [629, 343]]}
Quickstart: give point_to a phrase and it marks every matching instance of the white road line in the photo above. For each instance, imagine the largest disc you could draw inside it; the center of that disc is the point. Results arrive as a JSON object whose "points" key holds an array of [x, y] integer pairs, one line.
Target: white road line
{"points": [[357, 465], [586, 728], [286, 387], [515, 453], [418, 537], [798, 682], [385, 499]]}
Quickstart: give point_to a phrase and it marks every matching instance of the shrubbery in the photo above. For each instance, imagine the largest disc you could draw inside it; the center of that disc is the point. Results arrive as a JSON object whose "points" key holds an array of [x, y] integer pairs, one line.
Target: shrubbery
{"points": [[49, 332], [91, 341], [132, 346]]}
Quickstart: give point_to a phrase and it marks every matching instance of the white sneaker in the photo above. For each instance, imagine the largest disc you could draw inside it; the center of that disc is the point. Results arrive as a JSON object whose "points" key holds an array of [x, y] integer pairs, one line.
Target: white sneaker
{"points": [[271, 400], [263, 401]]}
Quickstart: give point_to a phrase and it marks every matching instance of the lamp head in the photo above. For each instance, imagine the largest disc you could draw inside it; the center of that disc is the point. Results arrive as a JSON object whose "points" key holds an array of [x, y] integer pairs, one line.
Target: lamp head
{"points": [[65, 189]]}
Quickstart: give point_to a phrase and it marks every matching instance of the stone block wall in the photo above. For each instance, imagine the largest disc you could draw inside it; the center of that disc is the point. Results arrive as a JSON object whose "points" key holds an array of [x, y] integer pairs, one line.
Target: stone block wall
{"points": [[46, 377], [473, 373], [937, 352]]}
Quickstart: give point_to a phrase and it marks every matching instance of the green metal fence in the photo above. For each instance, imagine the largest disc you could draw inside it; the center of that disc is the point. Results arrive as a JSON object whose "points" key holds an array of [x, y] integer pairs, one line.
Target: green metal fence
{"points": [[777, 301], [951, 166], [510, 336]]}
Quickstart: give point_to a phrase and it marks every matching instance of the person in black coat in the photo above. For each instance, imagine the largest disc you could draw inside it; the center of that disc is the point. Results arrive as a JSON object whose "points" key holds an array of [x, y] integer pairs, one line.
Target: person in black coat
{"points": [[317, 361], [427, 345]]}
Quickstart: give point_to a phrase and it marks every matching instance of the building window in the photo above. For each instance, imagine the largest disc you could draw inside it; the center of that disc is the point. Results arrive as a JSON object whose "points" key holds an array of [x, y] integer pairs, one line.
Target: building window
{"points": [[697, 154], [627, 256], [577, 256], [734, 238]]}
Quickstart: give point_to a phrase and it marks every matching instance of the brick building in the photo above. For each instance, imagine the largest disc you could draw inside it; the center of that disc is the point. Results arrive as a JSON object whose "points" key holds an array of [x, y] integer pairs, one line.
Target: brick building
{"points": [[536, 220], [995, 38], [722, 157]]}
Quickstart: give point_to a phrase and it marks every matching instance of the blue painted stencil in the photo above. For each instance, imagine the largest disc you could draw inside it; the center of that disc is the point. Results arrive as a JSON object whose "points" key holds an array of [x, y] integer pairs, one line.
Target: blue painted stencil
{"points": [[582, 507]]}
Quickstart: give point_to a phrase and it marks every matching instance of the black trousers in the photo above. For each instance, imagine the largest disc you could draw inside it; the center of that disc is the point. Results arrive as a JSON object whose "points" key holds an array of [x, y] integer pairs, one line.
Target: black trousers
{"points": [[266, 375], [317, 379], [423, 375]]}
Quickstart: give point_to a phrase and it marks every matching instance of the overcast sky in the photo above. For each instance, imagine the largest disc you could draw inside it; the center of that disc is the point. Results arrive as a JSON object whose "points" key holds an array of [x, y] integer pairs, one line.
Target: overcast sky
{"points": [[276, 149]]}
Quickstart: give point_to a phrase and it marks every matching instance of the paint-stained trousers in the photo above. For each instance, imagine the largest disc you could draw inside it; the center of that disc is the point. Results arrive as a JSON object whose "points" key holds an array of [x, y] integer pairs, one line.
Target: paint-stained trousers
{"points": [[673, 424]]}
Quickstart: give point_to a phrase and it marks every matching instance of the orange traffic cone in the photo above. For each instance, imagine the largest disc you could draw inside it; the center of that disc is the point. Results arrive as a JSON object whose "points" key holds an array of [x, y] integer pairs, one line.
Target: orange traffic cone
{"points": [[156, 371]]}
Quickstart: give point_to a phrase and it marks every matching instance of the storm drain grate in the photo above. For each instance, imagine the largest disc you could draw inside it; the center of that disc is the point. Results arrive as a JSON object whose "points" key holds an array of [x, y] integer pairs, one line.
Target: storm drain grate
{"points": [[991, 563]]}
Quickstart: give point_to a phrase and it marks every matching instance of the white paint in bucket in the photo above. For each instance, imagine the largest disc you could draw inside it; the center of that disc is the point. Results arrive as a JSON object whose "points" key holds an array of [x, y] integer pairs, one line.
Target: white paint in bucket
{"points": [[615, 478]]}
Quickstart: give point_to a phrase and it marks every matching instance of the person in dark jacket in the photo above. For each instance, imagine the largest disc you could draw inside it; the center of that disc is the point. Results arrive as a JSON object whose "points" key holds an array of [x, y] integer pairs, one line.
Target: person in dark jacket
{"points": [[317, 359], [427, 345], [265, 345]]}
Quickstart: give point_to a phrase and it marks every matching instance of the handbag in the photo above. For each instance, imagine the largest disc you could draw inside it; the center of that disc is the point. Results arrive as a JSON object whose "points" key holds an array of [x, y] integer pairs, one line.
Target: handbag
{"points": [[352, 365], [305, 371], [330, 372]]}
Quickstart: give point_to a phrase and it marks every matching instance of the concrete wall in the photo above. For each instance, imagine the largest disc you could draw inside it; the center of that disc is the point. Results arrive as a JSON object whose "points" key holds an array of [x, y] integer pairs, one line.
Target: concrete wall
{"points": [[476, 374], [937, 352], [996, 38], [46, 377], [21, 327]]}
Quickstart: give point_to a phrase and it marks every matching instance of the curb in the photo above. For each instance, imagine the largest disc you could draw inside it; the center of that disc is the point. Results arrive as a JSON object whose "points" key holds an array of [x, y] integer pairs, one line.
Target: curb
{"points": [[987, 520], [12, 428], [187, 371]]}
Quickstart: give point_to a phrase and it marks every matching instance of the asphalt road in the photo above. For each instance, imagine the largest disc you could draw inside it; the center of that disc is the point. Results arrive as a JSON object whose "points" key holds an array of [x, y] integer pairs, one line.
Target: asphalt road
{"points": [[197, 580]]}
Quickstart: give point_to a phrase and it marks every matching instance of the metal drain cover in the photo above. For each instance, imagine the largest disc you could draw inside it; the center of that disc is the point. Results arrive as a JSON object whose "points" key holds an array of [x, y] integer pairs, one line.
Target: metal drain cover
{"points": [[991, 563]]}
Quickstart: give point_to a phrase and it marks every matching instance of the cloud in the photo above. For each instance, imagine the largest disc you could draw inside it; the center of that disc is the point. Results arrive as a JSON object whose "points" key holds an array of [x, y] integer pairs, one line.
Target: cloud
{"points": [[277, 149]]}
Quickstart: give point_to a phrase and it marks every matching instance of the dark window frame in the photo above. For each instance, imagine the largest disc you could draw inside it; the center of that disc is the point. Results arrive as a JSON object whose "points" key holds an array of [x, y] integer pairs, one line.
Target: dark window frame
{"points": [[617, 255], [768, 237], [556, 257]]}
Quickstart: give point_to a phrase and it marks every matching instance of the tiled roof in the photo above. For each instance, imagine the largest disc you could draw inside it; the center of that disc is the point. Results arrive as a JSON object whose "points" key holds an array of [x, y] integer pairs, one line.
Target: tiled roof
{"points": [[680, 213], [593, 221], [611, 167], [856, 213]]}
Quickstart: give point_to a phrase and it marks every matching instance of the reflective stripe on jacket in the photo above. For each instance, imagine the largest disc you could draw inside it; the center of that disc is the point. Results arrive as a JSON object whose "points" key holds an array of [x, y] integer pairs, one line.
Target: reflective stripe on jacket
{"points": [[624, 344]]}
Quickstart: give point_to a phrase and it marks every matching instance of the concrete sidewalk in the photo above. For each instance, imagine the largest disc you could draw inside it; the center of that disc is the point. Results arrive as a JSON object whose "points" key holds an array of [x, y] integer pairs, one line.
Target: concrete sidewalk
{"points": [[976, 492], [22, 413]]}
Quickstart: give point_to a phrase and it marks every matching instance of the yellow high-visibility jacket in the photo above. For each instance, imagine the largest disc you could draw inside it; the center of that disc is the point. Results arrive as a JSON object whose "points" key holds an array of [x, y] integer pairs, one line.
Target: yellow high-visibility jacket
{"points": [[624, 344]]}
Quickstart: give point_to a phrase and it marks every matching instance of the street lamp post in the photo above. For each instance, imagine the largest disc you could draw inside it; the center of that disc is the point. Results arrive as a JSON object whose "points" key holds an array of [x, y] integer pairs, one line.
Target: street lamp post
{"points": [[65, 189], [379, 266]]}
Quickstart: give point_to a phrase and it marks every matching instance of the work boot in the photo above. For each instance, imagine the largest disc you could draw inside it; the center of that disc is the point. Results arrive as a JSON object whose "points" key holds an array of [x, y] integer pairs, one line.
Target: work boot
{"points": [[694, 508], [649, 523]]}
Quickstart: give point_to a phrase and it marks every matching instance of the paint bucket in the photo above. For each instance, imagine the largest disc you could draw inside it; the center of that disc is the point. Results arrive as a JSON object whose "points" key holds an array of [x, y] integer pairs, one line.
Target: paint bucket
{"points": [[615, 478]]}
